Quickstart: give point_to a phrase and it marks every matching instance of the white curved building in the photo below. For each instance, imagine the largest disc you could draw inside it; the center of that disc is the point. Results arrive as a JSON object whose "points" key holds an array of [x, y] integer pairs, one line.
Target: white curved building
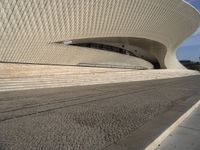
{"points": [[133, 33]]}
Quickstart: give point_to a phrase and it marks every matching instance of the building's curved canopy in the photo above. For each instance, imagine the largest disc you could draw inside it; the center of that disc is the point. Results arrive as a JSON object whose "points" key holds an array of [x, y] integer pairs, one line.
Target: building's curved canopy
{"points": [[28, 29]]}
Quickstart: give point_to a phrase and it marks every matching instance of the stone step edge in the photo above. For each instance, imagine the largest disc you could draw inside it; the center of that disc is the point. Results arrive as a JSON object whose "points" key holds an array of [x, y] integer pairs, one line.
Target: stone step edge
{"points": [[169, 130]]}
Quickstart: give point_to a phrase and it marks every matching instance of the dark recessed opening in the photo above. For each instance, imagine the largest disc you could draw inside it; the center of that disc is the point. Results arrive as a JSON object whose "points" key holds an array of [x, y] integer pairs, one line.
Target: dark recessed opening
{"points": [[105, 47]]}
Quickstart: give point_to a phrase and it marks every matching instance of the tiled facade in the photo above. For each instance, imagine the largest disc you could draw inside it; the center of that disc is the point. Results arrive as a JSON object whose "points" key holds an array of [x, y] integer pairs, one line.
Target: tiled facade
{"points": [[27, 27]]}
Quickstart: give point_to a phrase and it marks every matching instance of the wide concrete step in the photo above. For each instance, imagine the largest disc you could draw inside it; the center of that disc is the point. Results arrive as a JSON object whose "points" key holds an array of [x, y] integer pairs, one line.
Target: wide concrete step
{"points": [[20, 77], [26, 70], [30, 83]]}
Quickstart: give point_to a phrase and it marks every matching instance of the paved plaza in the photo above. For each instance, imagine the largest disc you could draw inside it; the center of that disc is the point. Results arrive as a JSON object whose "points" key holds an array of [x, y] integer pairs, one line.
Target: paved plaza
{"points": [[87, 117]]}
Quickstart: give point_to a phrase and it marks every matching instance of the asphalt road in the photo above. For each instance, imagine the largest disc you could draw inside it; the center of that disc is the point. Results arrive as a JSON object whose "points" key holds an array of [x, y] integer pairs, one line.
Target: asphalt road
{"points": [[87, 117]]}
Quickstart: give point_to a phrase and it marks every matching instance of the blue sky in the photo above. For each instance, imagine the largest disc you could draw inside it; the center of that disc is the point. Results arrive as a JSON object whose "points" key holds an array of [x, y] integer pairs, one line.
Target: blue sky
{"points": [[190, 48]]}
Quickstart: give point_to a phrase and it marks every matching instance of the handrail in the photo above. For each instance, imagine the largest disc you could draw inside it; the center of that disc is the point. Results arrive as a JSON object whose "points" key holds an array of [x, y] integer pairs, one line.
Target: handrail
{"points": [[112, 66]]}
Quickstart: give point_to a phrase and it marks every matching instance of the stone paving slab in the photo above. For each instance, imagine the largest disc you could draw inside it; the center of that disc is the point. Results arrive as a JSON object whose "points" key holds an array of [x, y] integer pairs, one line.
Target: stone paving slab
{"points": [[186, 136]]}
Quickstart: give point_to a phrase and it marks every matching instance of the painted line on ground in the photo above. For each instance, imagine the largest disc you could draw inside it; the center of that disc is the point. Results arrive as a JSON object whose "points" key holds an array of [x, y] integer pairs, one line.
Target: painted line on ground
{"points": [[169, 130]]}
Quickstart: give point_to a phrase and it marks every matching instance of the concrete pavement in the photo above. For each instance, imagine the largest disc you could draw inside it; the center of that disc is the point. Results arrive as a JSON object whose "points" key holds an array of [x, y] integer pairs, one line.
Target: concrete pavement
{"points": [[186, 136], [93, 117]]}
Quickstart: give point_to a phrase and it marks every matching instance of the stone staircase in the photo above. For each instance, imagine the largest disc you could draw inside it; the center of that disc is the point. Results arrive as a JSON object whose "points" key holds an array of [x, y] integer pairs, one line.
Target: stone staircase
{"points": [[22, 76]]}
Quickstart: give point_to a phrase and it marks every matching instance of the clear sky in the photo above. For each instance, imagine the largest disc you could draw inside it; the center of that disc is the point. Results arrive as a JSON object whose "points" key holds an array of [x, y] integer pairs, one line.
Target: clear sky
{"points": [[190, 48]]}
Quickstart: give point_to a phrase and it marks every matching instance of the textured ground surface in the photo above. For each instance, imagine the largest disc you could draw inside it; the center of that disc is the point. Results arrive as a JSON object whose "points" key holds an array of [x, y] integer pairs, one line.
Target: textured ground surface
{"points": [[88, 117]]}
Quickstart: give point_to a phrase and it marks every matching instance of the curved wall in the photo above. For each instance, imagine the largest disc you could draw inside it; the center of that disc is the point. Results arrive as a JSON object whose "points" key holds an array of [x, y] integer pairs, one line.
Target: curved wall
{"points": [[28, 27]]}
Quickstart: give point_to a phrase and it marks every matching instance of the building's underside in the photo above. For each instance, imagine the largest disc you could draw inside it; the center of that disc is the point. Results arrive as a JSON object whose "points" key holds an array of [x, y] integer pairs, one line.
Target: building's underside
{"points": [[121, 33]]}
